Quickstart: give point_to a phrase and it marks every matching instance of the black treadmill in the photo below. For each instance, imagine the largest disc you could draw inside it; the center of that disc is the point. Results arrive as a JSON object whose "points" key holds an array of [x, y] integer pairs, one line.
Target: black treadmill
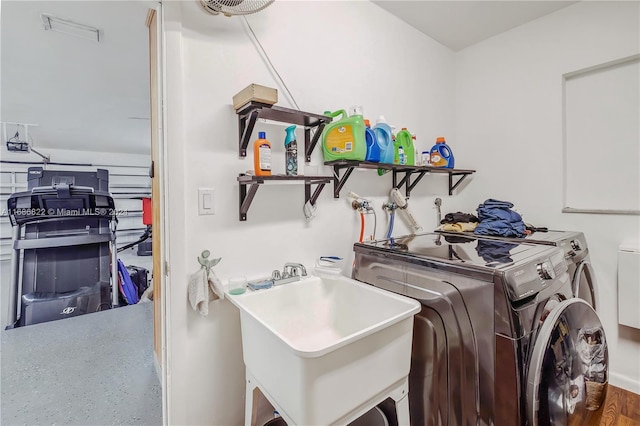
{"points": [[64, 246]]}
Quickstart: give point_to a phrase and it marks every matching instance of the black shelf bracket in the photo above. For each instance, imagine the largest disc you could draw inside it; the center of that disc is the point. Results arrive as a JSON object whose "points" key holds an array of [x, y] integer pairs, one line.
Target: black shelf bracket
{"points": [[453, 186], [338, 182], [407, 182], [401, 174], [312, 198], [248, 186], [246, 198], [309, 142], [404, 181], [249, 114], [246, 124]]}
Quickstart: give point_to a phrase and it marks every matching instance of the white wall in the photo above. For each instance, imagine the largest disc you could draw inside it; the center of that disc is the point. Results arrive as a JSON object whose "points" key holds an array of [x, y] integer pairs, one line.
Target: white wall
{"points": [[509, 121], [501, 111], [331, 55]]}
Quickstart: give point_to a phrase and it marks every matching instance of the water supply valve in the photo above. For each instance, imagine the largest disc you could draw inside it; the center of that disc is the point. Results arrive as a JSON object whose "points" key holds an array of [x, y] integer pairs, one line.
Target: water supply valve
{"points": [[360, 204], [389, 205]]}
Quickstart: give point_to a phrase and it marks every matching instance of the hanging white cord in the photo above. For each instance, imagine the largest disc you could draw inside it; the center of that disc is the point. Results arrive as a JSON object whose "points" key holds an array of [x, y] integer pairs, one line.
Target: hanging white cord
{"points": [[272, 67]]}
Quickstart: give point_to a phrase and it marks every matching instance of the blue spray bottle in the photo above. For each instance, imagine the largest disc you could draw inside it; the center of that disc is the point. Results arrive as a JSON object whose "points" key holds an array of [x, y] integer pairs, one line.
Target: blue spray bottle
{"points": [[291, 151]]}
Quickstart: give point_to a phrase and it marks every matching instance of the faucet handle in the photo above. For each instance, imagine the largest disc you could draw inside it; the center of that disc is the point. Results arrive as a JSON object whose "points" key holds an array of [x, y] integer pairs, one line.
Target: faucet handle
{"points": [[276, 274], [295, 267]]}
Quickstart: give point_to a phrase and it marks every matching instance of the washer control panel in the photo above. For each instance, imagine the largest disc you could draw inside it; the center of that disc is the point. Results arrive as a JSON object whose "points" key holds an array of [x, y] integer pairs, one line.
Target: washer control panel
{"points": [[545, 270], [574, 246], [531, 278]]}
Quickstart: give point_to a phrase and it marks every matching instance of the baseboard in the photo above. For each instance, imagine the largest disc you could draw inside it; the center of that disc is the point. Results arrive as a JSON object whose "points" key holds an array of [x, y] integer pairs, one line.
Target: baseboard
{"points": [[625, 383]]}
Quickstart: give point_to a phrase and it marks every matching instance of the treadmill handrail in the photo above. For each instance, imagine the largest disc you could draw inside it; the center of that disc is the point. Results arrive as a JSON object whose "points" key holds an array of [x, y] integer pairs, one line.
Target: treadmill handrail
{"points": [[53, 189], [43, 219], [75, 240]]}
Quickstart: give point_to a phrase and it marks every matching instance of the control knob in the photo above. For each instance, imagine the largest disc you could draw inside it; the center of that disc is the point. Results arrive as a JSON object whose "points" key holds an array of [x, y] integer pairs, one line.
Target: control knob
{"points": [[545, 270], [575, 244]]}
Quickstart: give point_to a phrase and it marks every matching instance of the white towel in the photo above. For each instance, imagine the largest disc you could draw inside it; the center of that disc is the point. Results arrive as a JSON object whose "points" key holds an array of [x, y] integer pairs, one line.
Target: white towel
{"points": [[215, 285], [203, 289]]}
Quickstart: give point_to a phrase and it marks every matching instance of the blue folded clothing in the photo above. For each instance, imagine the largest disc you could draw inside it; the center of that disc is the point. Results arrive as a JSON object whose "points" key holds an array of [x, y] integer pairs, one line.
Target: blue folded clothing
{"points": [[495, 252], [497, 218], [491, 202], [500, 229]]}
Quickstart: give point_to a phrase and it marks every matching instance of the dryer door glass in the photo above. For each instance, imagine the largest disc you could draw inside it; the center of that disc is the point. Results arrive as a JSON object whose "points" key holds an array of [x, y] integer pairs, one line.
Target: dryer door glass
{"points": [[584, 283], [568, 369]]}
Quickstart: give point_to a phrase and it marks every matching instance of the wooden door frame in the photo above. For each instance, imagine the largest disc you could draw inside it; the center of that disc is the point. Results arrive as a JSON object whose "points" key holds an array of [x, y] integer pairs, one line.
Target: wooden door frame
{"points": [[156, 172]]}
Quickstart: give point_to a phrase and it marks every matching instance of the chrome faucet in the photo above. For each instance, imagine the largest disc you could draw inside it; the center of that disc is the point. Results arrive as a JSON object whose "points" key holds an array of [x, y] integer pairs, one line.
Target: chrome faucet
{"points": [[291, 272]]}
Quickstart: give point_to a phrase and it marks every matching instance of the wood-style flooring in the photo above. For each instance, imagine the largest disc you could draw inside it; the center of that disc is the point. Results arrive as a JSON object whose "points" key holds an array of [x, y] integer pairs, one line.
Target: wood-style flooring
{"points": [[621, 408]]}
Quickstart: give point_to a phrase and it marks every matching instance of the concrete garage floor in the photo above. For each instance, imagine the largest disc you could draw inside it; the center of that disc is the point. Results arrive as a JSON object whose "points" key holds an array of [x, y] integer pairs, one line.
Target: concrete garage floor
{"points": [[95, 369]]}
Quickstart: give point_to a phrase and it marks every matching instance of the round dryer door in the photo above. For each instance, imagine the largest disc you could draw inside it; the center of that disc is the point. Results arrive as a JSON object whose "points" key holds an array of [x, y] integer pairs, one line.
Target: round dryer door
{"points": [[567, 377], [584, 283]]}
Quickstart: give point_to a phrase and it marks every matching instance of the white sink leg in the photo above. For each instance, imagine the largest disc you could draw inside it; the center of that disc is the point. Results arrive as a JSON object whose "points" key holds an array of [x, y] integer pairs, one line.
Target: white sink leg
{"points": [[248, 404], [401, 397], [402, 409], [256, 401]]}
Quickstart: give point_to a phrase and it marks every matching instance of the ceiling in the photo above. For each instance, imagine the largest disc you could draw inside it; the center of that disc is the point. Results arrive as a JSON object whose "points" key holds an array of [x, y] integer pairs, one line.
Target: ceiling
{"points": [[459, 24], [84, 95]]}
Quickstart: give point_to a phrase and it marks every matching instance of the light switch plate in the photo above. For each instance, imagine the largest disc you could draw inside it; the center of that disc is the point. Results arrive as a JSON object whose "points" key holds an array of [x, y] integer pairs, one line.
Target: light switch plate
{"points": [[206, 201]]}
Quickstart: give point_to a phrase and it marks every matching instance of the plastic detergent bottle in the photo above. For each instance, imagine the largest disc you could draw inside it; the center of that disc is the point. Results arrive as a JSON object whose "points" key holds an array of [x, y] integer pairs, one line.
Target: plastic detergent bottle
{"points": [[426, 158], [344, 139], [373, 149], [262, 156], [402, 158], [441, 155], [404, 139], [291, 151], [384, 136]]}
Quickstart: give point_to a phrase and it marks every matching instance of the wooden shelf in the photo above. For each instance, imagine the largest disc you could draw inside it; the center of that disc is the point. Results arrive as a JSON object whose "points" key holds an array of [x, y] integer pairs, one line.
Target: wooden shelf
{"points": [[409, 176], [249, 114], [254, 182]]}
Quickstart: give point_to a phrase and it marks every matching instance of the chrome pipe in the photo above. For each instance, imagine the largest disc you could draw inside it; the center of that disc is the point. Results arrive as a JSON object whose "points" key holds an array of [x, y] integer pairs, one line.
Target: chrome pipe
{"points": [[438, 203]]}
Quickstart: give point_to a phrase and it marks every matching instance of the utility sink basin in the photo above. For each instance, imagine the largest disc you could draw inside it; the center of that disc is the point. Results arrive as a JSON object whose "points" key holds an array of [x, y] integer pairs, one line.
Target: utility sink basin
{"points": [[320, 348]]}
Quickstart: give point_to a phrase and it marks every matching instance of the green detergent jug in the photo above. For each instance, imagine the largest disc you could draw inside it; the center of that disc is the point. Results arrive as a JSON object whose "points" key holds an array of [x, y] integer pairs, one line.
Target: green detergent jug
{"points": [[404, 140], [344, 139]]}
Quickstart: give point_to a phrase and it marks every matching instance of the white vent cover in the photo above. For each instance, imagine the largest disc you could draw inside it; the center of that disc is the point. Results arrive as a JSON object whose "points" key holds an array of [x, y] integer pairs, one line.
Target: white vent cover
{"points": [[629, 285]]}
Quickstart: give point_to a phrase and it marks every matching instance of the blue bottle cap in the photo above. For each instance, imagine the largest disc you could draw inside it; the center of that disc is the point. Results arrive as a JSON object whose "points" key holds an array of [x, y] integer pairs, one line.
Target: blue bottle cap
{"points": [[262, 135]]}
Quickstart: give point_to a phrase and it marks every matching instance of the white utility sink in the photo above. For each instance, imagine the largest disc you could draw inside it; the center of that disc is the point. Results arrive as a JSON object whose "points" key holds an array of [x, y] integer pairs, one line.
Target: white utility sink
{"points": [[322, 348]]}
